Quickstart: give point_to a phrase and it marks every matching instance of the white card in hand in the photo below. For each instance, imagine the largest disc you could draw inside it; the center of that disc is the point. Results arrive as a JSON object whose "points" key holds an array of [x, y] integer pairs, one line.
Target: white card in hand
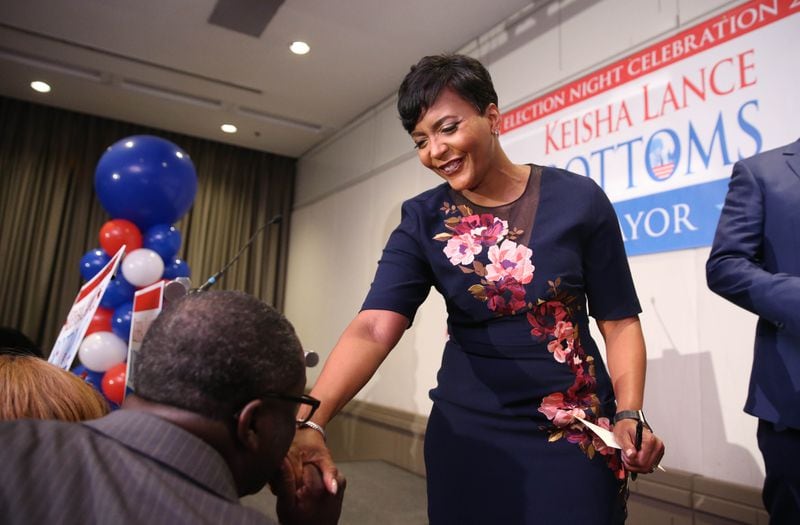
{"points": [[606, 436]]}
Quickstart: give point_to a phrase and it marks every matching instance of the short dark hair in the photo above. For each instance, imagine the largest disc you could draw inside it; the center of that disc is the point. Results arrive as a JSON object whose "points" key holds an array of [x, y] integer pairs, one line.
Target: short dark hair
{"points": [[423, 83], [213, 352]]}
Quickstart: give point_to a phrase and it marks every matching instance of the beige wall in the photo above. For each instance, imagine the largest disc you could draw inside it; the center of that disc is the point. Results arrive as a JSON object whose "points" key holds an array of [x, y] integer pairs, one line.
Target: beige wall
{"points": [[348, 199]]}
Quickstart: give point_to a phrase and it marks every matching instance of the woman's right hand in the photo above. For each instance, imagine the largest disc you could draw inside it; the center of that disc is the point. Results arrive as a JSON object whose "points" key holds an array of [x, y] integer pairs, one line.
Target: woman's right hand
{"points": [[309, 447], [362, 347]]}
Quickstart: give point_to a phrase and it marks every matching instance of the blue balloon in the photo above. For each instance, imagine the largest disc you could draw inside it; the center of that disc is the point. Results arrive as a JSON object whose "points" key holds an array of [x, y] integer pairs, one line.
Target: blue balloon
{"points": [[145, 179], [93, 378], [92, 262], [176, 268], [163, 239], [121, 321], [119, 290]]}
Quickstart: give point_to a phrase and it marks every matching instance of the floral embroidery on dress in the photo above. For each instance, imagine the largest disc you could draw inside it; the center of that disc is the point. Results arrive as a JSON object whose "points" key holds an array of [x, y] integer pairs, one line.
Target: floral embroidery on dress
{"points": [[506, 268], [551, 321]]}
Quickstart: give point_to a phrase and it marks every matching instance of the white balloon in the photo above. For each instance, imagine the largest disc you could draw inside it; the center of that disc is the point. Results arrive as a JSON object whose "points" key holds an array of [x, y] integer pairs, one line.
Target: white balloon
{"points": [[142, 267], [99, 351]]}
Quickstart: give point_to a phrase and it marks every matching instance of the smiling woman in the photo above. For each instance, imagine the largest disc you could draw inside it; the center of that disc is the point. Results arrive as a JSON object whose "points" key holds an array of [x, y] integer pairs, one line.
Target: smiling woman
{"points": [[519, 252], [459, 144]]}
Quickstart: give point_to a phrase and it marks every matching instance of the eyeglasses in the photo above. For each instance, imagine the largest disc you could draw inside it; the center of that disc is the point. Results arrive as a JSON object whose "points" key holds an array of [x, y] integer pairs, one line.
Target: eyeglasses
{"points": [[300, 400]]}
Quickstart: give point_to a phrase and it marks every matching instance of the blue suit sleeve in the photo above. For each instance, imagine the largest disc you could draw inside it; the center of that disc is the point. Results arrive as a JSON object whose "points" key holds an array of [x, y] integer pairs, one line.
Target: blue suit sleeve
{"points": [[404, 277], [734, 269]]}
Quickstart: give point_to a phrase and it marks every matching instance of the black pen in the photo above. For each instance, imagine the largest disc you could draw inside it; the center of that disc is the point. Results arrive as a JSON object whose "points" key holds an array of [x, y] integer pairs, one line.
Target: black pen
{"points": [[639, 429], [638, 442]]}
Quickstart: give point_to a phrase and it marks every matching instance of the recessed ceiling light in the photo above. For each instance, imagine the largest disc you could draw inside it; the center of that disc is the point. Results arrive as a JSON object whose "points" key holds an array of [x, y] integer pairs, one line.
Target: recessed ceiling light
{"points": [[299, 48], [41, 87], [228, 128]]}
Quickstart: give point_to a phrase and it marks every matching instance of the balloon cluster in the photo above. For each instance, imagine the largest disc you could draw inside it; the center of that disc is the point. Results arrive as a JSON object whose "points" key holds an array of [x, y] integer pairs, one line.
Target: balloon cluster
{"points": [[146, 184]]}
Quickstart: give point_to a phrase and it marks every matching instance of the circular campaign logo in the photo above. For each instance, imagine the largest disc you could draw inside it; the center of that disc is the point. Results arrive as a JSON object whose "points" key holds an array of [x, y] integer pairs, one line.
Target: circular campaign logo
{"points": [[662, 154]]}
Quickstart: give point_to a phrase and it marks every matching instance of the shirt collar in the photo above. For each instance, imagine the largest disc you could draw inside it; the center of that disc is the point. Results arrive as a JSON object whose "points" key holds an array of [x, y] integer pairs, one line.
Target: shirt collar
{"points": [[170, 445]]}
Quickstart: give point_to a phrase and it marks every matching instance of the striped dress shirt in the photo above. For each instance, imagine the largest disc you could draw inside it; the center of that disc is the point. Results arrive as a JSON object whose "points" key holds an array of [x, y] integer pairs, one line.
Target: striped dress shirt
{"points": [[128, 467]]}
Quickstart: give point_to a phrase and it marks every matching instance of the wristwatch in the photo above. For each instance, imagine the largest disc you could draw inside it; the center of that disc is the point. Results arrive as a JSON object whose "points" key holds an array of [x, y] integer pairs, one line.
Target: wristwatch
{"points": [[636, 415]]}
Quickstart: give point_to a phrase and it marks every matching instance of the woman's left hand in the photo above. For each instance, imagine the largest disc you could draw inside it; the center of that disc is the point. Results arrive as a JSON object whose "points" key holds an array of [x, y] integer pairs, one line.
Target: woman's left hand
{"points": [[646, 459]]}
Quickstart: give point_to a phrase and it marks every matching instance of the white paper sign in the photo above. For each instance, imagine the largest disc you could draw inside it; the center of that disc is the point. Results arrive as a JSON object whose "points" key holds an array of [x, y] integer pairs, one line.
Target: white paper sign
{"points": [[81, 313], [147, 304]]}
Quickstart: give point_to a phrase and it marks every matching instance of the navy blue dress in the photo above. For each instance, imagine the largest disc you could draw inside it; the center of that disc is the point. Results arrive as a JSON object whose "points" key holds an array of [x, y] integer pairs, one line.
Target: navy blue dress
{"points": [[503, 445]]}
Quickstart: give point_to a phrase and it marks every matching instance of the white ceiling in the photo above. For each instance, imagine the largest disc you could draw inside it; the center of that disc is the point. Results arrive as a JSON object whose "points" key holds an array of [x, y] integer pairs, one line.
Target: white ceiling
{"points": [[160, 63]]}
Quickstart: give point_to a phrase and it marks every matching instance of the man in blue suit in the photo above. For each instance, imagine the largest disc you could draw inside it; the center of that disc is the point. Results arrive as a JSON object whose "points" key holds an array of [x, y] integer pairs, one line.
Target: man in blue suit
{"points": [[755, 263]]}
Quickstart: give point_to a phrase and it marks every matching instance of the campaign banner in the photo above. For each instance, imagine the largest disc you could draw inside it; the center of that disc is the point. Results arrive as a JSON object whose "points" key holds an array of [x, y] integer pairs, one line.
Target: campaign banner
{"points": [[147, 304], [659, 130], [80, 314]]}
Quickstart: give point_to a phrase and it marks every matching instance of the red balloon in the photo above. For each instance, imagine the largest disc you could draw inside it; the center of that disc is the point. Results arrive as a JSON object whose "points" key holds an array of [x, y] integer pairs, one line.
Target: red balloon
{"points": [[114, 383], [117, 232], [101, 322]]}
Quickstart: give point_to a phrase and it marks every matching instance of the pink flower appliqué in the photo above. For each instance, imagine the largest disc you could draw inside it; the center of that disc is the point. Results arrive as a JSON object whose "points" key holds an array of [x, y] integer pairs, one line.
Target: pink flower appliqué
{"points": [[567, 417], [560, 348], [510, 260], [563, 343], [551, 404], [487, 229], [559, 412], [563, 330], [462, 249]]}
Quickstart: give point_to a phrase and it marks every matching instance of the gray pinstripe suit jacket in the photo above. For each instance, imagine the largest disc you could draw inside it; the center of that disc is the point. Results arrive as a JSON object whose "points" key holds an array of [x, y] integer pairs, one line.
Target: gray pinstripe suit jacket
{"points": [[128, 467]]}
